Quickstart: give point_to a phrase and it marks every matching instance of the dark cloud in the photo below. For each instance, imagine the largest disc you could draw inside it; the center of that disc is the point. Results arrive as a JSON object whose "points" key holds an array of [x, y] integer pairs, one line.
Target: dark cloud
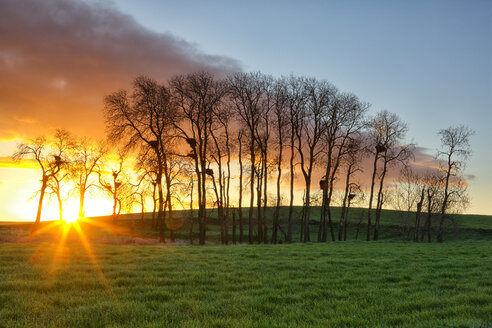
{"points": [[58, 58]]}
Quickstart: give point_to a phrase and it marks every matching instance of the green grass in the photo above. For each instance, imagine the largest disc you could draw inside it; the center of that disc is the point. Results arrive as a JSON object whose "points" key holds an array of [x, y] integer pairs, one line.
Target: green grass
{"points": [[389, 283], [353, 284]]}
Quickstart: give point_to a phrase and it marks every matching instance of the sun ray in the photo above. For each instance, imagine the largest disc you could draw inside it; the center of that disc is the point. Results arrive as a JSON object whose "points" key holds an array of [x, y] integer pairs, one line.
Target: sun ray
{"points": [[41, 230], [60, 247], [93, 259], [99, 224]]}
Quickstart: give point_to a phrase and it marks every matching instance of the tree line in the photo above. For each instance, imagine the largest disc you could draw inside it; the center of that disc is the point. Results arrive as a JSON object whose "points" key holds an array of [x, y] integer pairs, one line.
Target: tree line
{"points": [[194, 134]]}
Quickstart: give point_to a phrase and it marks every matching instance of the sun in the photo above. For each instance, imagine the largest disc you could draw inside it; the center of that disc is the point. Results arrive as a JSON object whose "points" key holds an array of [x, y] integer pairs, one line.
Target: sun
{"points": [[71, 219]]}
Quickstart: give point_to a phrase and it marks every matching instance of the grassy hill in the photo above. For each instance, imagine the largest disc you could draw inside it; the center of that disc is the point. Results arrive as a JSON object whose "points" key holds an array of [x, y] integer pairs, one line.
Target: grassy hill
{"points": [[91, 274], [395, 226]]}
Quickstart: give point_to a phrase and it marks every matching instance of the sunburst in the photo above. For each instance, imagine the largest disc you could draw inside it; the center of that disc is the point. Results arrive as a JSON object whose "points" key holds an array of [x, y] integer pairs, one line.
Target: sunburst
{"points": [[63, 228]]}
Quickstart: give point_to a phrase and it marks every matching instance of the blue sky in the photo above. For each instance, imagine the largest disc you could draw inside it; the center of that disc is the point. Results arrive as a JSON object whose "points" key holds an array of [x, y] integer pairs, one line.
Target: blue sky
{"points": [[428, 61]]}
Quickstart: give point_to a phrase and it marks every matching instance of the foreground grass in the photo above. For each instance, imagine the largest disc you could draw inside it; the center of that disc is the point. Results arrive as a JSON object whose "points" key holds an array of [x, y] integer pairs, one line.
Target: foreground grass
{"points": [[352, 284]]}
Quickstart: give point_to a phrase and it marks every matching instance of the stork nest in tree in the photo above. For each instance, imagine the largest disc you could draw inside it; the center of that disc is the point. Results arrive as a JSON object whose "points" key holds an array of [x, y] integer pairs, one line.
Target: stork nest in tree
{"points": [[191, 142], [154, 144], [380, 148], [58, 160]]}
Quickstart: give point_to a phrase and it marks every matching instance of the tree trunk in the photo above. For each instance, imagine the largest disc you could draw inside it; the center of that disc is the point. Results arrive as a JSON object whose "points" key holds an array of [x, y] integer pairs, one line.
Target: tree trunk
{"points": [[160, 213], [142, 202], [291, 202], [307, 214], [251, 190], [417, 216], [81, 203], [277, 207], [259, 184], [429, 217], [265, 196], [220, 215], [60, 205], [40, 203], [444, 202], [240, 201], [368, 237], [341, 226], [191, 212], [323, 228], [379, 203], [154, 206], [345, 226]]}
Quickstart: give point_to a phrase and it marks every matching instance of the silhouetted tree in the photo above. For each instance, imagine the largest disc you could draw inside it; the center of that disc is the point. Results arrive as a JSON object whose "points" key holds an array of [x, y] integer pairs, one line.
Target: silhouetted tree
{"points": [[62, 144], [352, 158], [295, 102], [345, 120], [386, 132], [144, 118], [455, 151], [240, 136], [246, 91], [86, 159], [116, 186], [48, 159], [309, 130], [280, 114], [197, 96]]}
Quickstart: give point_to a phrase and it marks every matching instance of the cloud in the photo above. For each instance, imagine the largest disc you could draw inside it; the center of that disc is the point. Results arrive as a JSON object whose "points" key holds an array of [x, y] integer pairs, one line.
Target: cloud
{"points": [[423, 163], [58, 58]]}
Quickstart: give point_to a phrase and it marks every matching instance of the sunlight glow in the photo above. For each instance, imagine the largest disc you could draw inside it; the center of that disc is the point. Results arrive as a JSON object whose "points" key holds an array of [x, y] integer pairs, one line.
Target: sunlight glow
{"points": [[70, 219], [60, 250]]}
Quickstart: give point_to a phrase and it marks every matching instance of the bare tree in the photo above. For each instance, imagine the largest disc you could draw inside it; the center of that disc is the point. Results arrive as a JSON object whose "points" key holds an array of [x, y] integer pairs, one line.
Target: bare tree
{"points": [[49, 161], [391, 156], [353, 156], [309, 131], [246, 93], [240, 136], [197, 96], [295, 102], [62, 144], [408, 198], [86, 160], [117, 186], [145, 118], [433, 183], [345, 120], [220, 137], [281, 121], [386, 131], [455, 151]]}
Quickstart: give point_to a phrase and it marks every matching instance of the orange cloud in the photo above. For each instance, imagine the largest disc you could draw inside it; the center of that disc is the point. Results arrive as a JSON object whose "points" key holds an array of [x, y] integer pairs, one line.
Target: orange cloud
{"points": [[58, 58]]}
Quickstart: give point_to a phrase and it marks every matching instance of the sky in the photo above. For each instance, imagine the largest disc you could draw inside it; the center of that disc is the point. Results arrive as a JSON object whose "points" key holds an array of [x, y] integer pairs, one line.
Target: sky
{"points": [[428, 61]]}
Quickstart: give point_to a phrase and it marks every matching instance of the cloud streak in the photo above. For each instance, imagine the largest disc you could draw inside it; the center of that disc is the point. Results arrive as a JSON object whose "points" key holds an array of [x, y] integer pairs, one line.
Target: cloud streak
{"points": [[58, 58]]}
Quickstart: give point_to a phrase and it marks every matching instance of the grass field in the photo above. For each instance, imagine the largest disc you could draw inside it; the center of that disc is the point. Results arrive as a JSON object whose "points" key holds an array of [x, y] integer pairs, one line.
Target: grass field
{"points": [[324, 285], [108, 283]]}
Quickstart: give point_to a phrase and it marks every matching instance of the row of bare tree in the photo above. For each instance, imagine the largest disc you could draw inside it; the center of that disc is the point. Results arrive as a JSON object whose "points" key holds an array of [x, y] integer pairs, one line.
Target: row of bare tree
{"points": [[196, 133]]}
